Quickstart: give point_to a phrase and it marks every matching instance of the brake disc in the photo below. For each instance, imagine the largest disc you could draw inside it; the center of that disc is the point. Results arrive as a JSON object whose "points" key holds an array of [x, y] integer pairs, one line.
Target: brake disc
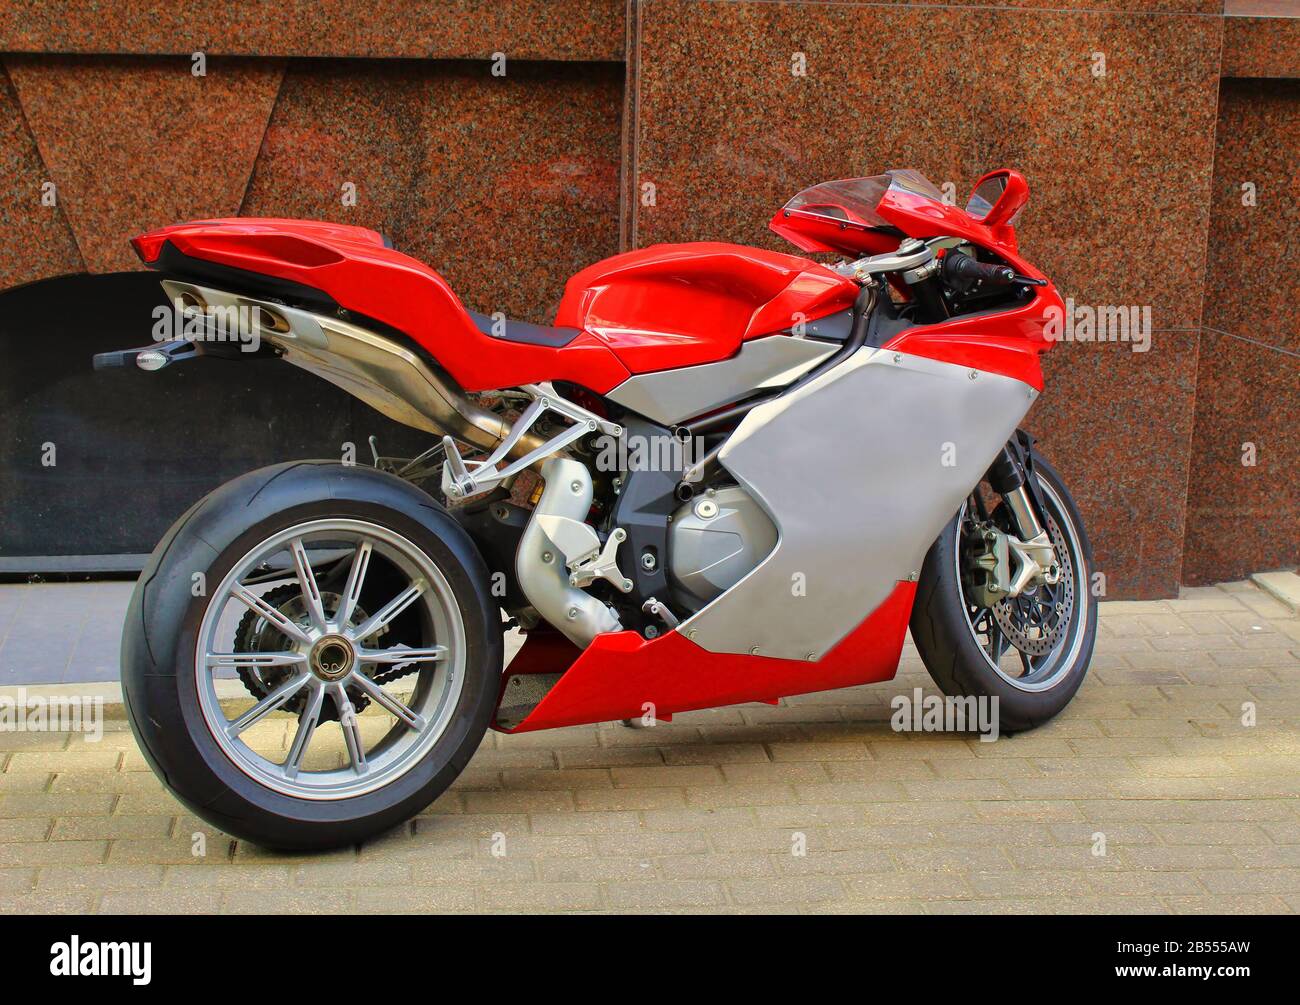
{"points": [[1036, 621]]}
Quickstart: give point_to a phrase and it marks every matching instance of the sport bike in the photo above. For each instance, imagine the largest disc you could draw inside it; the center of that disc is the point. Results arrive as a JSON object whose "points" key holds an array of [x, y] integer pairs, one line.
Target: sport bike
{"points": [[723, 475]]}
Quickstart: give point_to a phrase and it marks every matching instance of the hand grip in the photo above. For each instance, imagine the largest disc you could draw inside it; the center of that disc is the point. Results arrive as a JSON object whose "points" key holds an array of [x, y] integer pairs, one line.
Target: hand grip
{"points": [[960, 266]]}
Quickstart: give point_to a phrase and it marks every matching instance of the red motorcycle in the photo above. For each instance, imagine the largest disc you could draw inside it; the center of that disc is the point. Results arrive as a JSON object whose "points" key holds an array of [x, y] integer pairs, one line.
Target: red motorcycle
{"points": [[723, 475]]}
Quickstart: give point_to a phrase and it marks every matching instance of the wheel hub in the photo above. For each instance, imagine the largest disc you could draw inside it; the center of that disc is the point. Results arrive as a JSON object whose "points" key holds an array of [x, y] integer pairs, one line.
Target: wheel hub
{"points": [[256, 634], [332, 657]]}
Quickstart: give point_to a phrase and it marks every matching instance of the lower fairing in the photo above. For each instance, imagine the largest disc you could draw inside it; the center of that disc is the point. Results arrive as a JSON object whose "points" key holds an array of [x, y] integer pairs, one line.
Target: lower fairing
{"points": [[623, 676], [859, 469]]}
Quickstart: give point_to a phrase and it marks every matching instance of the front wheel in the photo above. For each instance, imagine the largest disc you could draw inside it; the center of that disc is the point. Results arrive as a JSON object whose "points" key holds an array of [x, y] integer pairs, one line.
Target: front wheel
{"points": [[312, 655], [1030, 651]]}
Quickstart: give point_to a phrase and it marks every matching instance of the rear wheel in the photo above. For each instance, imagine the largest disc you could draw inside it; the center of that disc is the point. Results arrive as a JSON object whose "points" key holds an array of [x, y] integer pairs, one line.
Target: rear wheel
{"points": [[1030, 651], [312, 655]]}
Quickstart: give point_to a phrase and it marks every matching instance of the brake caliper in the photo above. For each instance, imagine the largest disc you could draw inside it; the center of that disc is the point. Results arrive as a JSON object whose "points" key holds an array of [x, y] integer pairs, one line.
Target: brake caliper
{"points": [[989, 565]]}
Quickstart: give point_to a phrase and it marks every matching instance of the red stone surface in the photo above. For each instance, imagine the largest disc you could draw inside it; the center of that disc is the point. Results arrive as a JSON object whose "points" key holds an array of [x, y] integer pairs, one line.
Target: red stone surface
{"points": [[506, 185], [509, 185], [426, 29], [1262, 46], [135, 143], [1118, 214], [1244, 518], [37, 240]]}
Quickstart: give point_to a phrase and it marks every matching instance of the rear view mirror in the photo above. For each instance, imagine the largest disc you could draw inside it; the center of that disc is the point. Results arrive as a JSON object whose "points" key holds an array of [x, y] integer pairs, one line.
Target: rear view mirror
{"points": [[998, 198]]}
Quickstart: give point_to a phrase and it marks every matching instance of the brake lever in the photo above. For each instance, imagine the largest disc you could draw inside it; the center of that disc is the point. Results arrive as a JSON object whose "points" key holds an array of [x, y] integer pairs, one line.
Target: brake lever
{"points": [[1026, 281]]}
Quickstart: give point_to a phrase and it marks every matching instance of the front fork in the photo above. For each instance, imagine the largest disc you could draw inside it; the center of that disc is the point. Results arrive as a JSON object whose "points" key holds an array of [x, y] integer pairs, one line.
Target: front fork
{"points": [[1012, 564]]}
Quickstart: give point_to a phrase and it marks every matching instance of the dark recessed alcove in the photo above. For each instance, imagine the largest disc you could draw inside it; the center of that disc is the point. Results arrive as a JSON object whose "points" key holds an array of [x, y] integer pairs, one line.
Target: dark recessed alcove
{"points": [[133, 450]]}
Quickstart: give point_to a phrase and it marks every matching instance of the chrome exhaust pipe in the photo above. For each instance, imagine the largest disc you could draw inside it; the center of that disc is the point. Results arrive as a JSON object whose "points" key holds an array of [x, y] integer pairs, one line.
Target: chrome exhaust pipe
{"points": [[387, 376]]}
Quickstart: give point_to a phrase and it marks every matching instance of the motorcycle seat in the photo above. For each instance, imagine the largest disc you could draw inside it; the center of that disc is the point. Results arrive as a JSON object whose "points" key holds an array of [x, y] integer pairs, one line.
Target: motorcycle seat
{"points": [[523, 332]]}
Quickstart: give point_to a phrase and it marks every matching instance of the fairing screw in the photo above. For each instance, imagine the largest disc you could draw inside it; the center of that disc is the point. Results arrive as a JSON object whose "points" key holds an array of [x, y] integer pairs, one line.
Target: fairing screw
{"points": [[547, 557], [648, 561], [573, 614], [754, 651], [974, 374], [651, 632], [811, 657], [706, 509]]}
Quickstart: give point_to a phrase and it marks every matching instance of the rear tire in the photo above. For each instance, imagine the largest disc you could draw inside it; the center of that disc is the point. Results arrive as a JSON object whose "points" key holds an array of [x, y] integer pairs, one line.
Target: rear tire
{"points": [[947, 641], [166, 654]]}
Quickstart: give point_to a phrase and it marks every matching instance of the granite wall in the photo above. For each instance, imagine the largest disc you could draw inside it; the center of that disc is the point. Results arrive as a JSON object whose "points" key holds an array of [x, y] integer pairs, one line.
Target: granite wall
{"points": [[625, 123], [1243, 508]]}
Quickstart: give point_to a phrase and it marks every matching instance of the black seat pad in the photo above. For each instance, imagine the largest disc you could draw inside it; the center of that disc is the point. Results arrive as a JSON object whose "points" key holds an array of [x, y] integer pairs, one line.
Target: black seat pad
{"points": [[524, 332]]}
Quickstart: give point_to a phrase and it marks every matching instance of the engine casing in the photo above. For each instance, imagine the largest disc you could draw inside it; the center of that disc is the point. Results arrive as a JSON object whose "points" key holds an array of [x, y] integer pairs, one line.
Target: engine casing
{"points": [[715, 540]]}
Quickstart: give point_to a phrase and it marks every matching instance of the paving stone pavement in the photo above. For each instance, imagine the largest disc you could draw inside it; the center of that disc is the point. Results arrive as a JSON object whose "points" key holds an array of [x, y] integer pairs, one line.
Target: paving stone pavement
{"points": [[1152, 763]]}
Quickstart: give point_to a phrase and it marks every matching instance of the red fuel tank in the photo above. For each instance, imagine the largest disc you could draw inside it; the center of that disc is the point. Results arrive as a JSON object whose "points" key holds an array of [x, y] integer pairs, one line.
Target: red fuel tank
{"points": [[672, 305]]}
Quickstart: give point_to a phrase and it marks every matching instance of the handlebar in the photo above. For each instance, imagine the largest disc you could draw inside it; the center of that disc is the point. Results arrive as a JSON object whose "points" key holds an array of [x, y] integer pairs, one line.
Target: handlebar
{"points": [[915, 256], [960, 266]]}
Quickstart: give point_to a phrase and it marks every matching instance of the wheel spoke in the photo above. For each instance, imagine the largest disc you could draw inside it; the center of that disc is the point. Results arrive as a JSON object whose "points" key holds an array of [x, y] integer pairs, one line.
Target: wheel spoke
{"points": [[392, 609], [352, 591], [266, 706], [351, 729], [393, 705], [273, 621], [255, 659], [307, 582], [396, 656], [307, 722], [1026, 663], [260, 606]]}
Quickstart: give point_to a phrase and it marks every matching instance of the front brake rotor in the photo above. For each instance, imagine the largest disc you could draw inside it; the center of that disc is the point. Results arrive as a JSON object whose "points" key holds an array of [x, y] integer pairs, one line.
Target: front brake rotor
{"points": [[1036, 621]]}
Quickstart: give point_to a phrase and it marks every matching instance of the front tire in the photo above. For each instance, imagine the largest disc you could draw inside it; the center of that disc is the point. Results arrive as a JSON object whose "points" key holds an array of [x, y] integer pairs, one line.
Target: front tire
{"points": [[323, 590], [965, 647]]}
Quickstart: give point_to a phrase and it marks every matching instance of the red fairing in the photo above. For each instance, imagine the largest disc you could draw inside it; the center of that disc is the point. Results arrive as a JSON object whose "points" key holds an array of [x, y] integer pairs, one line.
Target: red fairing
{"points": [[1008, 342], [620, 672], [673, 305], [353, 267], [917, 216]]}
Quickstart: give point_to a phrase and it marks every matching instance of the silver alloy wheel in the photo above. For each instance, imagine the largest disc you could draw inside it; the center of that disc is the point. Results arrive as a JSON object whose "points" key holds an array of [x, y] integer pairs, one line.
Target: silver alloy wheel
{"points": [[330, 655], [1039, 673]]}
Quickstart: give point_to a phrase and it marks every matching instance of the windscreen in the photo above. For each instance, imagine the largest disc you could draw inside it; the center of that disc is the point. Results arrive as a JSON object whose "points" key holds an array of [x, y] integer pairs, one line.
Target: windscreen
{"points": [[854, 200]]}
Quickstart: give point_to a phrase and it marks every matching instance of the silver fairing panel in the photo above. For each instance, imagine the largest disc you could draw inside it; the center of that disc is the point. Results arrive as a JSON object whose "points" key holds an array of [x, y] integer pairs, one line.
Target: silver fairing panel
{"points": [[671, 396], [859, 469]]}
